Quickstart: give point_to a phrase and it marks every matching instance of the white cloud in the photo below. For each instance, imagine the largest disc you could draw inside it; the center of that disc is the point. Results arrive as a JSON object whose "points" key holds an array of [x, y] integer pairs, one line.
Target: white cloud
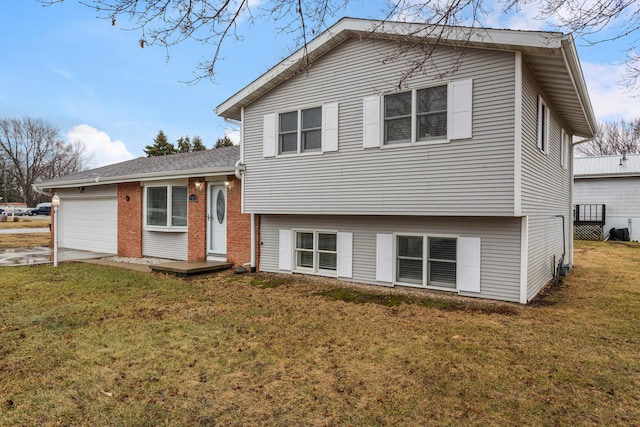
{"points": [[610, 101], [233, 134], [99, 146]]}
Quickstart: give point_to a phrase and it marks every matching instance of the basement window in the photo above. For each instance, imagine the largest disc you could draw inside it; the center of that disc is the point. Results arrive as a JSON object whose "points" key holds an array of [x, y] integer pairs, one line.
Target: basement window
{"points": [[316, 251], [426, 261]]}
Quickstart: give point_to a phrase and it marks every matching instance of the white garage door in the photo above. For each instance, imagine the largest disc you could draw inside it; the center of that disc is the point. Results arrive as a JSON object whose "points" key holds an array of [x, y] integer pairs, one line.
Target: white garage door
{"points": [[89, 224]]}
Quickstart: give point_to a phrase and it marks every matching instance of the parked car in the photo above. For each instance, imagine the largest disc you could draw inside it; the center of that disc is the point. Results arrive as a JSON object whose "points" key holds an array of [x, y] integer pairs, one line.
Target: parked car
{"points": [[41, 209], [17, 211]]}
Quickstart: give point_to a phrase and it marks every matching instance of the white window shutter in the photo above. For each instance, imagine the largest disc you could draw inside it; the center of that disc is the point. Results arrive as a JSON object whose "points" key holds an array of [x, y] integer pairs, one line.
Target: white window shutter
{"points": [[345, 255], [284, 261], [384, 258], [269, 145], [330, 127], [461, 109], [469, 264], [371, 120]]}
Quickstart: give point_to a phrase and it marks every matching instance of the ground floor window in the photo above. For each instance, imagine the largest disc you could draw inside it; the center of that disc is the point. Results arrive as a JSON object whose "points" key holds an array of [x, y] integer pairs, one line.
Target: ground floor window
{"points": [[419, 257], [166, 206], [316, 251]]}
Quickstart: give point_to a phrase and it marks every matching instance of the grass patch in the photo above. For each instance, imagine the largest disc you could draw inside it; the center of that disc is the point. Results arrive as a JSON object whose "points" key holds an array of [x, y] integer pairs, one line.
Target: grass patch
{"points": [[388, 300], [25, 222], [95, 345], [24, 240], [268, 281]]}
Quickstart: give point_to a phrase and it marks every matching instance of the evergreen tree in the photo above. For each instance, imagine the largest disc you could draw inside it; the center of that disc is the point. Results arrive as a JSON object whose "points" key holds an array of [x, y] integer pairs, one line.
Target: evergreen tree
{"points": [[161, 146], [184, 144], [197, 144], [225, 141]]}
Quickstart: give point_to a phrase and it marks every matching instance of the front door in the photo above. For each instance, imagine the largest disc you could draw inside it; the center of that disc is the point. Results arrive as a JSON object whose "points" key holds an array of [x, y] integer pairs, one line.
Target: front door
{"points": [[217, 221]]}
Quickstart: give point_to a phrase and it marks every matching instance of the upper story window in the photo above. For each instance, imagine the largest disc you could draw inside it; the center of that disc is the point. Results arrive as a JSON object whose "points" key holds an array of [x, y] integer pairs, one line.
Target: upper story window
{"points": [[166, 206], [311, 130], [300, 131], [543, 126], [419, 115], [440, 114]]}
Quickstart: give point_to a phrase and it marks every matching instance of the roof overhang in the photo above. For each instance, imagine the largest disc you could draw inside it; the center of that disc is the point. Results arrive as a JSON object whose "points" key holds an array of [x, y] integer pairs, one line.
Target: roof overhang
{"points": [[552, 57], [143, 177]]}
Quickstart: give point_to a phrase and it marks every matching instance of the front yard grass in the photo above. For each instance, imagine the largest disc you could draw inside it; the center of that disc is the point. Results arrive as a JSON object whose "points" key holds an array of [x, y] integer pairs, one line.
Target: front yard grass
{"points": [[24, 240], [25, 222], [85, 344]]}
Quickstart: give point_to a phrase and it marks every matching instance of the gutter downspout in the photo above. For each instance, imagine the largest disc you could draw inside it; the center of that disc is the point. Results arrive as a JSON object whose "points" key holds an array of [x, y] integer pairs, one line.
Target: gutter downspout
{"points": [[37, 190], [582, 141], [238, 172], [253, 242], [253, 223]]}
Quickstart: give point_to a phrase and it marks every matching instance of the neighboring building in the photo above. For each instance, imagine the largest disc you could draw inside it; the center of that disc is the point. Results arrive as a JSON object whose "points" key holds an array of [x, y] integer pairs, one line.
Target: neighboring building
{"points": [[179, 206], [457, 183], [610, 184]]}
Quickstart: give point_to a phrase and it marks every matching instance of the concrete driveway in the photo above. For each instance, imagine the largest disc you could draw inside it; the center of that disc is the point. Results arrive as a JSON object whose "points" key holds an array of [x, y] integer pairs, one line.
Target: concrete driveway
{"points": [[43, 255]]}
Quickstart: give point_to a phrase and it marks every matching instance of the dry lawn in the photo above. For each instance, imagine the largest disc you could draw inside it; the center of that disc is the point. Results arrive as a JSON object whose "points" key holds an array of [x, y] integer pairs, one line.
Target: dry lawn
{"points": [[20, 240], [24, 240], [25, 222], [94, 345]]}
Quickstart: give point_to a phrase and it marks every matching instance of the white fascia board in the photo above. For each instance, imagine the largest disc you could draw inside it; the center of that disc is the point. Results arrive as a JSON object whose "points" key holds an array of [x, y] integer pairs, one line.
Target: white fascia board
{"points": [[572, 62], [155, 176]]}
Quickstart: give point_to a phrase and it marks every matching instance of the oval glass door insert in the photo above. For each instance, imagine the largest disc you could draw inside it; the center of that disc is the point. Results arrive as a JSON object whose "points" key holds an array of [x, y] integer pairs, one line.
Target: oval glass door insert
{"points": [[220, 206]]}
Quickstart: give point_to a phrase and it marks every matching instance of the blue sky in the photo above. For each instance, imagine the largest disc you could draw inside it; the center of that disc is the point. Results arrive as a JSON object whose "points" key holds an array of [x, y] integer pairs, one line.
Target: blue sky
{"points": [[95, 83]]}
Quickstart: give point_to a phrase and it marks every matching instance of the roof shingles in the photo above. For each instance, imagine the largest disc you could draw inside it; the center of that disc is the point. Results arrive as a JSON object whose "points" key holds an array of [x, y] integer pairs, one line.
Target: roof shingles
{"points": [[173, 164]]}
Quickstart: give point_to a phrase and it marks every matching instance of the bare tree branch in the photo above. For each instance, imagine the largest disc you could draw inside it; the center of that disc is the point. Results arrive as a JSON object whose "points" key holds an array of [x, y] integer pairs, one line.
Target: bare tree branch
{"points": [[613, 138], [170, 22], [32, 151]]}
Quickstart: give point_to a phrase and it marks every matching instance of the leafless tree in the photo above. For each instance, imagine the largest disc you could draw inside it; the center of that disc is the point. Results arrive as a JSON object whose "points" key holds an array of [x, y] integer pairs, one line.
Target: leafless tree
{"points": [[170, 22], [32, 151], [613, 138]]}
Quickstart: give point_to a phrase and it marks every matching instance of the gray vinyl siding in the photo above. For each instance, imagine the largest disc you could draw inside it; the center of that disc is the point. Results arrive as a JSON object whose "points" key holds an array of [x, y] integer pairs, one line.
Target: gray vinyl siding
{"points": [[546, 185], [168, 245], [472, 177], [500, 244], [545, 250], [546, 192]]}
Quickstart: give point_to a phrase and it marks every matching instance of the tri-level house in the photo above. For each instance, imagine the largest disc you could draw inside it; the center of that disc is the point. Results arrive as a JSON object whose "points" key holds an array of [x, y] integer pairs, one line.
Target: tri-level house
{"points": [[457, 177]]}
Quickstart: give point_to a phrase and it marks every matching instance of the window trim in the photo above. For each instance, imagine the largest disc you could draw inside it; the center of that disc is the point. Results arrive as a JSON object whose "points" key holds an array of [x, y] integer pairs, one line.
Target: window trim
{"points": [[543, 125], [316, 251], [414, 140], [425, 261], [169, 187], [299, 133], [564, 149]]}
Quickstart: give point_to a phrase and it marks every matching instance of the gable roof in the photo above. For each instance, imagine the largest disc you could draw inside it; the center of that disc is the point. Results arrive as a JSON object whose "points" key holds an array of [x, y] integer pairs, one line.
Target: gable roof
{"points": [[217, 161], [606, 166], [551, 56]]}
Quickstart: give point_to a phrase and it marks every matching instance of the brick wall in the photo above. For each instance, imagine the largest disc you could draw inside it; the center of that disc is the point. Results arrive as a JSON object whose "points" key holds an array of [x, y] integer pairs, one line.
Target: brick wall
{"points": [[130, 219], [197, 221], [238, 225]]}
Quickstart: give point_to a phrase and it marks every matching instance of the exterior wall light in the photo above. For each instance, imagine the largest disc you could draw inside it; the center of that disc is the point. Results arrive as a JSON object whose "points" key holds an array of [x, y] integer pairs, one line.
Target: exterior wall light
{"points": [[199, 185]]}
